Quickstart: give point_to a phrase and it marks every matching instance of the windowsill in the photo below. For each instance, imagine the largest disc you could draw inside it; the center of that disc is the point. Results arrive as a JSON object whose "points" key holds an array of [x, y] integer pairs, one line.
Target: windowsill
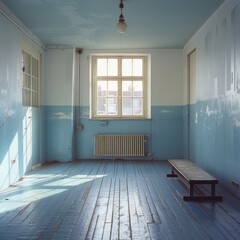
{"points": [[117, 119]]}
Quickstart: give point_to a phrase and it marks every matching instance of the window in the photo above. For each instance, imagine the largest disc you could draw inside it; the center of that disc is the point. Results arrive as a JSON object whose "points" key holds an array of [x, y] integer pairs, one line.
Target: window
{"points": [[31, 76], [119, 87]]}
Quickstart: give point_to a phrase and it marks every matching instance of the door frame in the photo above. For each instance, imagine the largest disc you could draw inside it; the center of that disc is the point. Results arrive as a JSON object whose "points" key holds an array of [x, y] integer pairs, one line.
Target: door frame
{"points": [[189, 98]]}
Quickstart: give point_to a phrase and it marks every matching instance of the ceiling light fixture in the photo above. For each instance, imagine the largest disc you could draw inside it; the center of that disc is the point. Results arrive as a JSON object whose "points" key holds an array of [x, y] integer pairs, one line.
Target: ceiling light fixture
{"points": [[121, 25]]}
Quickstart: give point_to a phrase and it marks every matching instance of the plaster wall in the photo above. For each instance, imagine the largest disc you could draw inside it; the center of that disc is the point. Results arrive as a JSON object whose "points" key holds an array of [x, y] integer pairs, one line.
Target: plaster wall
{"points": [[20, 127], [68, 105], [215, 114]]}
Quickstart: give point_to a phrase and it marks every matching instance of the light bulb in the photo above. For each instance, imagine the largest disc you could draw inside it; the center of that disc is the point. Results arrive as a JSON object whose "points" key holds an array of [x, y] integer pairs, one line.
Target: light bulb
{"points": [[121, 26]]}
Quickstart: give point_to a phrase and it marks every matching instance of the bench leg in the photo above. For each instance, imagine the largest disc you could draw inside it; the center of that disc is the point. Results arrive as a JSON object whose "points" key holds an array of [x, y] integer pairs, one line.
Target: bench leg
{"points": [[172, 174], [213, 197], [213, 190], [191, 189]]}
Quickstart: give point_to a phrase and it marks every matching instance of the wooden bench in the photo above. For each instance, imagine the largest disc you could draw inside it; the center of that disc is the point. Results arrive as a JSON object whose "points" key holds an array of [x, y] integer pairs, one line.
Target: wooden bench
{"points": [[191, 175]]}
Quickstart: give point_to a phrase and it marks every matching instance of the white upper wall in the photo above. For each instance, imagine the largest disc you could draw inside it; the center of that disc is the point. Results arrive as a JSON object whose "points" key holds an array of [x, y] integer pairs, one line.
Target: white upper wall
{"points": [[59, 77], [214, 48], [166, 75]]}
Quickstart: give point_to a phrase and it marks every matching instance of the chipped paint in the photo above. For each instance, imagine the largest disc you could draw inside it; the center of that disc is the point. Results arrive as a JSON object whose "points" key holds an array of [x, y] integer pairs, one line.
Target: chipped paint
{"points": [[237, 122], [215, 136], [62, 116], [210, 112], [166, 111]]}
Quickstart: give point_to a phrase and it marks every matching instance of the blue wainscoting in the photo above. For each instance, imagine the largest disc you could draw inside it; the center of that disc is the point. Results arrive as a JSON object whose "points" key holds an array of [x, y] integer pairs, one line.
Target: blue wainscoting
{"points": [[20, 141], [66, 141], [58, 133], [215, 138], [167, 131]]}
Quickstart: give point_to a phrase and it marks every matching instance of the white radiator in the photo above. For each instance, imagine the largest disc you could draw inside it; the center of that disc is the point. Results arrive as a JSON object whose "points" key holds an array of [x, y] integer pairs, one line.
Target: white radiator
{"points": [[119, 145]]}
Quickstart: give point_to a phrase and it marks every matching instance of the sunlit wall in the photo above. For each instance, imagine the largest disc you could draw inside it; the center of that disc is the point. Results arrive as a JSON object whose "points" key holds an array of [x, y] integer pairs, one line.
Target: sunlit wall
{"points": [[20, 138]]}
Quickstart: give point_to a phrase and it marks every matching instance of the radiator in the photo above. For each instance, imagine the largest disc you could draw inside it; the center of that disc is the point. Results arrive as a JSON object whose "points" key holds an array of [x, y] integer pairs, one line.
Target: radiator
{"points": [[119, 145]]}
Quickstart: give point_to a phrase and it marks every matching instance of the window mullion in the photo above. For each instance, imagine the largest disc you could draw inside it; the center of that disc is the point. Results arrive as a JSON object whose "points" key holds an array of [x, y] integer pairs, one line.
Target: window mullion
{"points": [[132, 85], [31, 84], [145, 87], [107, 96], [120, 87]]}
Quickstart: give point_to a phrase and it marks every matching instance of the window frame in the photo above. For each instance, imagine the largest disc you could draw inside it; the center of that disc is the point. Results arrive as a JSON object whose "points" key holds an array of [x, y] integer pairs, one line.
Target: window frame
{"points": [[33, 75], [145, 78]]}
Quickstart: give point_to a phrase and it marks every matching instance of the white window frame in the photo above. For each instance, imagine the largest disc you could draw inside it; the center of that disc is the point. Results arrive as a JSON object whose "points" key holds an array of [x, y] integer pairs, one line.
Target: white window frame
{"points": [[31, 72], [146, 86]]}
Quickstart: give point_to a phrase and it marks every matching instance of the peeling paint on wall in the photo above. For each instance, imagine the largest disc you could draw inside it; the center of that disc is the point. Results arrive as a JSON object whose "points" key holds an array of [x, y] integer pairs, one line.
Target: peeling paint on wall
{"points": [[215, 122], [62, 116], [237, 122]]}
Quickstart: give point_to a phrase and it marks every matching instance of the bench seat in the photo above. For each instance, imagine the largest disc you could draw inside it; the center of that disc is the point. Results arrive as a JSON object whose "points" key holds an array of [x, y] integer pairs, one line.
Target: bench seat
{"points": [[192, 175]]}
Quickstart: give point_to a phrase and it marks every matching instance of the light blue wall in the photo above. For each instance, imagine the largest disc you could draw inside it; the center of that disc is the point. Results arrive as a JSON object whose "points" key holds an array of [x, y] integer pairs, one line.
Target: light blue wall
{"points": [[65, 142], [164, 132], [66, 104], [59, 135], [215, 115], [58, 105], [19, 152]]}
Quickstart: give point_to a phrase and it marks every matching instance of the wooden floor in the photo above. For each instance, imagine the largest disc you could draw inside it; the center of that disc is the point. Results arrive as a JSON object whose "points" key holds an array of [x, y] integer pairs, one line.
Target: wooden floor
{"points": [[111, 200]]}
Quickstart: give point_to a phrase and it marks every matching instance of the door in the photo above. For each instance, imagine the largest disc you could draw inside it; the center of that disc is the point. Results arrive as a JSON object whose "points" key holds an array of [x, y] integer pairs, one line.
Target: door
{"points": [[191, 101]]}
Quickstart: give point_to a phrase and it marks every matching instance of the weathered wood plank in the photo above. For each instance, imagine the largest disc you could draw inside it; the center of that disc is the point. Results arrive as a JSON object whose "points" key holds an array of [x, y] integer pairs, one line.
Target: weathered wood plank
{"points": [[112, 200], [124, 220], [96, 227], [83, 223], [116, 210], [139, 227]]}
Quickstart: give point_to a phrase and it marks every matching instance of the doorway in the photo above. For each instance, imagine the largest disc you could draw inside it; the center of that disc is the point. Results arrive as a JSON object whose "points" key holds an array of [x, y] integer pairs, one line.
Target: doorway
{"points": [[191, 100]]}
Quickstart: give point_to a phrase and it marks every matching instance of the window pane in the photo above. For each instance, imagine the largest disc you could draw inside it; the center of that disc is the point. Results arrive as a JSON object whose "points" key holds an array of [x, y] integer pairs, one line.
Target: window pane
{"points": [[28, 64], [34, 67], [127, 106], [26, 97], [137, 106], [25, 77], [34, 99], [112, 106], [101, 67], [137, 89], [34, 84], [102, 88], [112, 67], [28, 82], [127, 67], [137, 67], [112, 88], [102, 106], [127, 88]]}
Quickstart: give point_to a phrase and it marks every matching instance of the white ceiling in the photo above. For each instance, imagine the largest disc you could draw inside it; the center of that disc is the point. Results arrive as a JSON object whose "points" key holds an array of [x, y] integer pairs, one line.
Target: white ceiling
{"points": [[91, 24]]}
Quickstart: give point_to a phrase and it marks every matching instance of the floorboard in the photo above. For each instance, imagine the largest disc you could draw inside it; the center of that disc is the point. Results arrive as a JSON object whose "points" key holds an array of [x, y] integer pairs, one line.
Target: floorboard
{"points": [[107, 199]]}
